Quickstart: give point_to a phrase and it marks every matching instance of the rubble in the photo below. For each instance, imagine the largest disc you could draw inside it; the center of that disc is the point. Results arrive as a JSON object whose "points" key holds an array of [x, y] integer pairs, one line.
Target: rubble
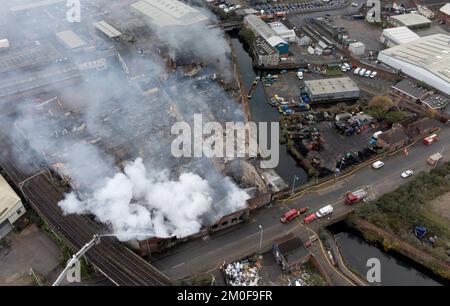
{"points": [[242, 273]]}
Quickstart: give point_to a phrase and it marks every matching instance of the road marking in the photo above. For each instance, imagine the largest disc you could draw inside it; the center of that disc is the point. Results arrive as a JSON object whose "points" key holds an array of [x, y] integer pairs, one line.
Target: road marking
{"points": [[177, 266]]}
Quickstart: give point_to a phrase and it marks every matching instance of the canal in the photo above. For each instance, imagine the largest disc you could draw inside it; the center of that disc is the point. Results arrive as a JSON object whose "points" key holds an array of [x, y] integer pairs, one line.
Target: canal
{"points": [[262, 112], [396, 269]]}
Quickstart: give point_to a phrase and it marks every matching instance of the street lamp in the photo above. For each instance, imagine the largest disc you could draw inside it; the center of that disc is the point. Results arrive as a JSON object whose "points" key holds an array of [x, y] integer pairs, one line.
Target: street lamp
{"points": [[260, 238], [76, 257], [293, 183]]}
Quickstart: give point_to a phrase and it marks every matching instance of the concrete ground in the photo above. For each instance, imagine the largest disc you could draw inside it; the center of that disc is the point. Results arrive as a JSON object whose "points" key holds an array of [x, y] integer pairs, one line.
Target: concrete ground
{"points": [[362, 31], [31, 248]]}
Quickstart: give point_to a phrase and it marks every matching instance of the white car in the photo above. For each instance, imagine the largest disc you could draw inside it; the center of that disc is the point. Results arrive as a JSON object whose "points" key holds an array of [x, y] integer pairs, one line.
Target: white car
{"points": [[374, 74], [357, 70], [407, 173], [378, 164], [368, 73], [324, 211], [347, 66], [300, 75], [362, 72], [355, 4]]}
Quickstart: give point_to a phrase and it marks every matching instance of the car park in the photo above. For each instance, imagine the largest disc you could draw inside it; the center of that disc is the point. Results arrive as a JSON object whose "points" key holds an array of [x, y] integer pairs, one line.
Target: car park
{"points": [[407, 173], [378, 164]]}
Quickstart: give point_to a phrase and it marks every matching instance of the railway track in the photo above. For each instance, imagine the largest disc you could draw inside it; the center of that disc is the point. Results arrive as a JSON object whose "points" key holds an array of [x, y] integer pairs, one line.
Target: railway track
{"points": [[110, 257]]}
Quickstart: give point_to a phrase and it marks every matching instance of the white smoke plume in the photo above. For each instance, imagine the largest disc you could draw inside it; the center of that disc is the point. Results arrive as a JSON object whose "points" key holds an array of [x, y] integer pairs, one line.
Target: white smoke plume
{"points": [[139, 202]]}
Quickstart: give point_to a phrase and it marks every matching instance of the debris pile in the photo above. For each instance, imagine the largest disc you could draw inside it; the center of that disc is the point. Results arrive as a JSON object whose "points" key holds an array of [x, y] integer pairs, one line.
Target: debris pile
{"points": [[242, 273]]}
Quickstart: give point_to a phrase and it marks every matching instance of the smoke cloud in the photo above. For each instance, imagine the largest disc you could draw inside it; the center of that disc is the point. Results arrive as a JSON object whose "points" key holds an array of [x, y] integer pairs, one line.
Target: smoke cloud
{"points": [[113, 142]]}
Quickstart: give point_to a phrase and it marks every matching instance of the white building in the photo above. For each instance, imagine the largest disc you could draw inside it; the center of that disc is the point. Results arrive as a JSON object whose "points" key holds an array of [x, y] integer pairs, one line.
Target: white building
{"points": [[260, 28], [11, 207], [409, 20], [395, 36], [426, 59], [71, 39], [357, 48], [283, 31], [169, 13]]}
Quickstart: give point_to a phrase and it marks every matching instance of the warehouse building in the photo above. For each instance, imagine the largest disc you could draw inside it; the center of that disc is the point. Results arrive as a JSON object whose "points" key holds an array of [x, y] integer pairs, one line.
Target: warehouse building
{"points": [[11, 207], [444, 13], [395, 36], [265, 54], [283, 31], [169, 13], [107, 29], [70, 39], [357, 48], [332, 90], [412, 21], [260, 28], [426, 59]]}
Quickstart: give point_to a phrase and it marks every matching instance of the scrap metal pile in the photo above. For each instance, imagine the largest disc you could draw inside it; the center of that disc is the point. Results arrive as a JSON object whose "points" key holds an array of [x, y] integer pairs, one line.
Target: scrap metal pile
{"points": [[242, 273]]}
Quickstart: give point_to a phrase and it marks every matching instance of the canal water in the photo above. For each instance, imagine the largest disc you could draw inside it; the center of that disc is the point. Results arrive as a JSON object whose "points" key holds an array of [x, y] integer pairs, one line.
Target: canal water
{"points": [[262, 112], [396, 269]]}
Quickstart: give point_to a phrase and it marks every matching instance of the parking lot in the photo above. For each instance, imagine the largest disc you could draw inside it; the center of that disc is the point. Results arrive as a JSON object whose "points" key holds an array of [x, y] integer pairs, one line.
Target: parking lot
{"points": [[298, 6]]}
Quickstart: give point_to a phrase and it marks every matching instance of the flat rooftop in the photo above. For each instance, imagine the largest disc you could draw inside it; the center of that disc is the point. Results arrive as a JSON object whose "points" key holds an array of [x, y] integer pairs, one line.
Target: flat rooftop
{"points": [[411, 20], [431, 53], [328, 86], [71, 39], [411, 88]]}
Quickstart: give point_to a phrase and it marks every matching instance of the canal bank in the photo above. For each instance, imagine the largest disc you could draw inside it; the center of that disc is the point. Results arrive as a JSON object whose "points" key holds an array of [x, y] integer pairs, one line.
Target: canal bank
{"points": [[396, 269], [261, 111]]}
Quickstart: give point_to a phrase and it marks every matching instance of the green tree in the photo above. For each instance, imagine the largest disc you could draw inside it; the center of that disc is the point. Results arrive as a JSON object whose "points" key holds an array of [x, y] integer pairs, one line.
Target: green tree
{"points": [[395, 116]]}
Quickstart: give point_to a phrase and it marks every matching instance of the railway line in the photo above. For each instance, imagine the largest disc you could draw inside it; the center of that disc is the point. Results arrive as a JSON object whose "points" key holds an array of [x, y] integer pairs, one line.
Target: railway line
{"points": [[120, 265]]}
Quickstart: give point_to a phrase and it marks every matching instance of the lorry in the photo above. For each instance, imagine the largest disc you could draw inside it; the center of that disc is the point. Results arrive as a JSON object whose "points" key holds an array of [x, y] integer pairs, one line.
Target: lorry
{"points": [[355, 196], [434, 159], [430, 139]]}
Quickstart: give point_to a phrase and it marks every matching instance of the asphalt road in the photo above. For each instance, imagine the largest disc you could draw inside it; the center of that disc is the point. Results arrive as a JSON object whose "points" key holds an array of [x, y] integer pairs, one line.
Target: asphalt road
{"points": [[207, 254]]}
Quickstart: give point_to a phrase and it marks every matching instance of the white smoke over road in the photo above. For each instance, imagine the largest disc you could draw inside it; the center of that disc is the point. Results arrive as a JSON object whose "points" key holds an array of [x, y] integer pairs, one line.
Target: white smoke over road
{"points": [[139, 202]]}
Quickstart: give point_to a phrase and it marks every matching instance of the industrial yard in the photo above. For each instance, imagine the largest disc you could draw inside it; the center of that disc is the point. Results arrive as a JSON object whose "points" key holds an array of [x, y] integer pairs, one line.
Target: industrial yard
{"points": [[105, 124]]}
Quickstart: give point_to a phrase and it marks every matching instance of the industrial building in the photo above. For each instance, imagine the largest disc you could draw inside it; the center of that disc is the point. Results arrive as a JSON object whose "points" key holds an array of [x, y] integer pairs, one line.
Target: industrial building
{"points": [[411, 21], [169, 13], [107, 29], [283, 31], [331, 90], [11, 207], [415, 93], [444, 13], [426, 59], [265, 54], [70, 39], [260, 28], [395, 36]]}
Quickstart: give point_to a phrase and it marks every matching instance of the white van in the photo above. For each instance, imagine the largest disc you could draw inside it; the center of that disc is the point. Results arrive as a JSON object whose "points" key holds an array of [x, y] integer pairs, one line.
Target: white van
{"points": [[356, 71], [362, 72], [324, 211]]}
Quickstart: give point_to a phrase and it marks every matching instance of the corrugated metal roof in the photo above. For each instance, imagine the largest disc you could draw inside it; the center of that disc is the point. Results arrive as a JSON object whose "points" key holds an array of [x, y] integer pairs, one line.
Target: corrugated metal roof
{"points": [[264, 30], [107, 29], [169, 13], [71, 39], [400, 35], [411, 19], [430, 52], [8, 198]]}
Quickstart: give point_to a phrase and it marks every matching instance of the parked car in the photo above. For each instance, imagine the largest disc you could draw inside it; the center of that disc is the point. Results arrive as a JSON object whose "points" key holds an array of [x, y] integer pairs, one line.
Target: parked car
{"points": [[374, 74], [324, 211], [362, 72], [368, 73], [357, 70], [300, 75], [378, 164], [407, 173]]}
